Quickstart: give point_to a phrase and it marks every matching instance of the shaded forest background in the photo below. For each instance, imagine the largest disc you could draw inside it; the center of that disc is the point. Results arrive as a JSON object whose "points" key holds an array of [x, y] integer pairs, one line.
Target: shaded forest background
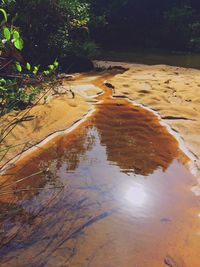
{"points": [[73, 30]]}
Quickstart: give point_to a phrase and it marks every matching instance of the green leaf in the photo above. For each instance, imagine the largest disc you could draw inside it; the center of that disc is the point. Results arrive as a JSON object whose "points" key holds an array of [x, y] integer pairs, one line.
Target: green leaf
{"points": [[51, 67], [35, 70], [56, 64], [18, 66], [46, 72], [4, 14], [18, 43], [28, 66], [2, 81], [16, 35], [3, 88], [6, 33]]}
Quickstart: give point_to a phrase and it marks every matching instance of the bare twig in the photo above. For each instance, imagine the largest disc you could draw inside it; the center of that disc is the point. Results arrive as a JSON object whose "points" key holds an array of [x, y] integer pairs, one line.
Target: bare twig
{"points": [[8, 63], [22, 179]]}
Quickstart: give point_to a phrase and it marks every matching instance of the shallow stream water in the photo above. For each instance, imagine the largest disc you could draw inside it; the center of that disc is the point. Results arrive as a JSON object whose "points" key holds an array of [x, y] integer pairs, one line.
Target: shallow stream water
{"points": [[112, 193]]}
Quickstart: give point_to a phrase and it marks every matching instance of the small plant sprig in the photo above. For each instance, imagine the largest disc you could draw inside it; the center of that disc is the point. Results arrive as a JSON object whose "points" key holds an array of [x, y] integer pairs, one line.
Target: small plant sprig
{"points": [[10, 33], [34, 70]]}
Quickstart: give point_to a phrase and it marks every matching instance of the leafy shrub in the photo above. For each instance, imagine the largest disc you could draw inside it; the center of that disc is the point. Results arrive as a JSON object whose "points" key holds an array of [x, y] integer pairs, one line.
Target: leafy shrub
{"points": [[14, 94], [52, 24]]}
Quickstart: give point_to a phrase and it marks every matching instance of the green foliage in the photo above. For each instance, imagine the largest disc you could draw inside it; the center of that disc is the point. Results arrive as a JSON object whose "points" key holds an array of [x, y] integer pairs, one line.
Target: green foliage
{"points": [[28, 66], [6, 33], [17, 40], [14, 94], [51, 68], [57, 28], [183, 27], [154, 24], [18, 66], [36, 69], [6, 3], [4, 14], [76, 11], [12, 36], [72, 46], [177, 25], [14, 97], [56, 24]]}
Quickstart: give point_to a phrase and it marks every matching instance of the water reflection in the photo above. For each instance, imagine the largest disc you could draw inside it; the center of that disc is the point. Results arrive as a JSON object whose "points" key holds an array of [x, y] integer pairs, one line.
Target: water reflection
{"points": [[133, 138], [113, 184], [136, 196]]}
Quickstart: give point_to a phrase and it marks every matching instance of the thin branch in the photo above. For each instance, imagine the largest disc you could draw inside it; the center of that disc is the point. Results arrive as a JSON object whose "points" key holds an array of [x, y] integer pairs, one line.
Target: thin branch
{"points": [[8, 63], [29, 189], [22, 179]]}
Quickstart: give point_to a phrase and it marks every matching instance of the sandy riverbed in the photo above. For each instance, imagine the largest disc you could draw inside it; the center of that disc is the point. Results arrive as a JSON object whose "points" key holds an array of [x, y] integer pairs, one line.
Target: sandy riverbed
{"points": [[59, 113], [173, 92]]}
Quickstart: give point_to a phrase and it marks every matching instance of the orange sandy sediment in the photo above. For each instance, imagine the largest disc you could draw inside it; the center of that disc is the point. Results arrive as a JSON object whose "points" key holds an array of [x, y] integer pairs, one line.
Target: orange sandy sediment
{"points": [[172, 92], [59, 113]]}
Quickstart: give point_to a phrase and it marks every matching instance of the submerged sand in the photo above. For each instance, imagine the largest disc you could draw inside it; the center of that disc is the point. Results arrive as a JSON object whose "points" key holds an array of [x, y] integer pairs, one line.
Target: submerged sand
{"points": [[172, 92]]}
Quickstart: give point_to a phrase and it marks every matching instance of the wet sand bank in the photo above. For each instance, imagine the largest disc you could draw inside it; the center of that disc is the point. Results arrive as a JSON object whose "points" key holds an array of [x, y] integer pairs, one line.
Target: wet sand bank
{"points": [[59, 113], [172, 92]]}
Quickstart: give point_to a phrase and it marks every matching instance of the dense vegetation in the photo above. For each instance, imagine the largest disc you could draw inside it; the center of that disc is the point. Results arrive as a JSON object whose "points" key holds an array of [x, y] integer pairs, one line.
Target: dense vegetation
{"points": [[168, 24], [39, 32], [16, 90], [53, 29], [70, 28]]}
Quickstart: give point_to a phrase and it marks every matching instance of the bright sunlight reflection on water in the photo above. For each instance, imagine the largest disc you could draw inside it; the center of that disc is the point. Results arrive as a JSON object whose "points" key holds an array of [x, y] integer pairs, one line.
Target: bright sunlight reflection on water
{"points": [[136, 196]]}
